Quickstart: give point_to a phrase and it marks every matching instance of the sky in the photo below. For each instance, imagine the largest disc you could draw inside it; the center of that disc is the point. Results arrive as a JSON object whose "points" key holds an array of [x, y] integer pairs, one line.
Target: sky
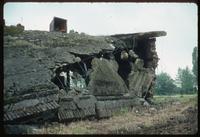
{"points": [[179, 20]]}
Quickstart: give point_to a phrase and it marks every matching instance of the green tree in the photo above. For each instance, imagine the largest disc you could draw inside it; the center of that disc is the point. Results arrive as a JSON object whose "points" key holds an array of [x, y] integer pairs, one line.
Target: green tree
{"points": [[185, 78], [195, 64], [164, 84]]}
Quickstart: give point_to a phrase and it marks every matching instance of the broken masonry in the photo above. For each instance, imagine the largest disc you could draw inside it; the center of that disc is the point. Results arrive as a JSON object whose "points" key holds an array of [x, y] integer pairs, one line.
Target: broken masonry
{"points": [[64, 83]]}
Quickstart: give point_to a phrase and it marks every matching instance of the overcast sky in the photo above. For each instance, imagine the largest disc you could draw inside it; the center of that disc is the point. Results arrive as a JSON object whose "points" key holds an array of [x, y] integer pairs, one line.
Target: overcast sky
{"points": [[179, 20]]}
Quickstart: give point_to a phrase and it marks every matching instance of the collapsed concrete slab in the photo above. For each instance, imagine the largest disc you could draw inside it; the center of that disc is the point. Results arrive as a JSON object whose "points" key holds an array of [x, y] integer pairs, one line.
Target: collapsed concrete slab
{"points": [[104, 79], [70, 76], [79, 107], [106, 106], [31, 108]]}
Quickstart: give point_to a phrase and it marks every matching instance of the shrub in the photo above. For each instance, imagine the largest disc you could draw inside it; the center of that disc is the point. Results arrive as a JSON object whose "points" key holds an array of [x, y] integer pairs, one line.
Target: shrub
{"points": [[13, 30]]}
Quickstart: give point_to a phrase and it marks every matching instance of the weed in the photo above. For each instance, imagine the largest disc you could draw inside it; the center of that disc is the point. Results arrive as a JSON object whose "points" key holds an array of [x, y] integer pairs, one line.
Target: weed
{"points": [[121, 111]]}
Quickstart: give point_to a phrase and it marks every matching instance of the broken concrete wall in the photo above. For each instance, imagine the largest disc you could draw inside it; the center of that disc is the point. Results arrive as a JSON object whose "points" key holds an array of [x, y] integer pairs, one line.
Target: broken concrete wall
{"points": [[23, 73], [106, 106], [29, 69], [141, 61], [78, 107], [115, 66], [140, 81], [35, 107], [35, 65], [104, 79]]}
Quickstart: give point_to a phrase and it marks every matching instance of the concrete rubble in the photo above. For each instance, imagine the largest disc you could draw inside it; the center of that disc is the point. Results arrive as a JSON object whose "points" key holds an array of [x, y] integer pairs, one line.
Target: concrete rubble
{"points": [[54, 76]]}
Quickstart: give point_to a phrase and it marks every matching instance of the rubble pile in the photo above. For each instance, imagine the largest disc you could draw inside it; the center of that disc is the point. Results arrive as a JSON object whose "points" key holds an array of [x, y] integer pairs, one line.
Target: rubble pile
{"points": [[54, 76]]}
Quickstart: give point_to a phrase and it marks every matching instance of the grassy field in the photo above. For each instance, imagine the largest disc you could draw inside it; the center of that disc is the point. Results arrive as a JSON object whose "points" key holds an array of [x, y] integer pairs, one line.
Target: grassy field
{"points": [[169, 115], [167, 98]]}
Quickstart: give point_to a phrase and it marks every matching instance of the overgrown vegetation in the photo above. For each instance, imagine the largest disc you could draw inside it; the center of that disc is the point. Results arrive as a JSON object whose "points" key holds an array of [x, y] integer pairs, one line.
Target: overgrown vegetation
{"points": [[13, 30]]}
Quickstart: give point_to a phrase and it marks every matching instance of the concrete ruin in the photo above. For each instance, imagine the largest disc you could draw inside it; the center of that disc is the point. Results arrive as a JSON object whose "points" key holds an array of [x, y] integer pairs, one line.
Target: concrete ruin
{"points": [[61, 77], [58, 24]]}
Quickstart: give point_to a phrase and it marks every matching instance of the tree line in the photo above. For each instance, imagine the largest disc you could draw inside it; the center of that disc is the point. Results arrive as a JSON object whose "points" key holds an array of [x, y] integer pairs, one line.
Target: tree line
{"points": [[186, 81]]}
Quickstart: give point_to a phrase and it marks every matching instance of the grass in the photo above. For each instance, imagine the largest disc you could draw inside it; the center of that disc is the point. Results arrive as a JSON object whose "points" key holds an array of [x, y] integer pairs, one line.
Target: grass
{"points": [[121, 111], [78, 127], [22, 43], [169, 98], [131, 122]]}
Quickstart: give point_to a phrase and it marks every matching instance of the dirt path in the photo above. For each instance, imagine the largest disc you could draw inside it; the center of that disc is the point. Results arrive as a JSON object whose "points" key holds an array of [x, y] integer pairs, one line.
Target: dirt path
{"points": [[175, 117]]}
